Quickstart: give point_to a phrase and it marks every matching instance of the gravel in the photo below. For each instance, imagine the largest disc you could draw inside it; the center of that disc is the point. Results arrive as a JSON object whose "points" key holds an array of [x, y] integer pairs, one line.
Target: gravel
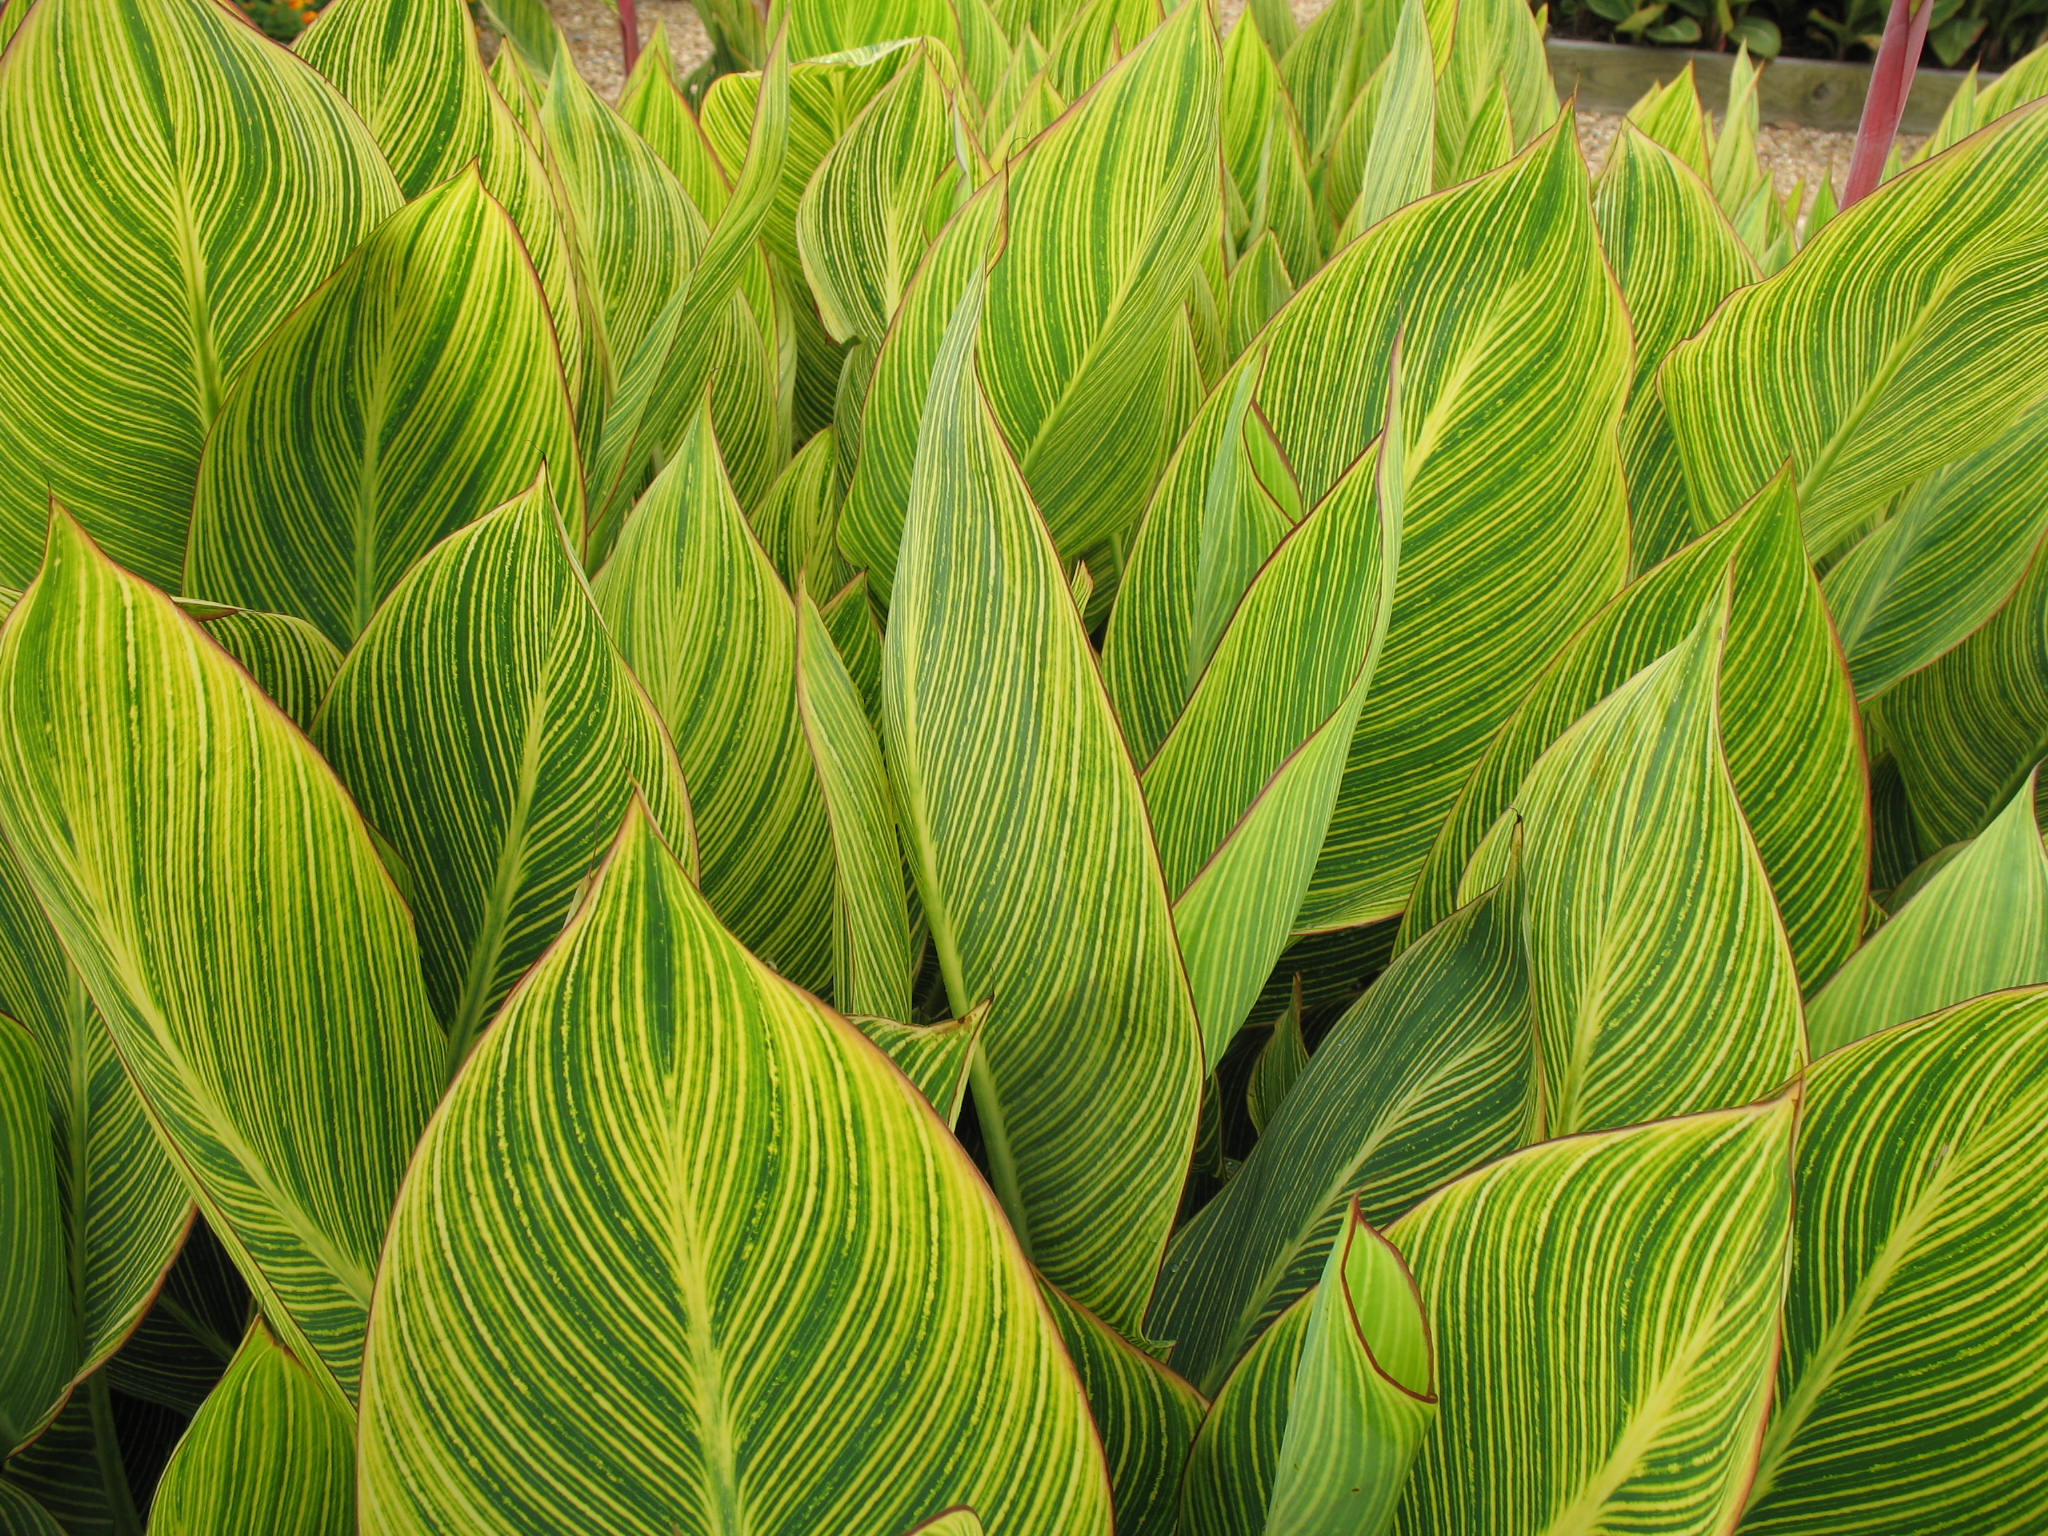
{"points": [[1793, 155]]}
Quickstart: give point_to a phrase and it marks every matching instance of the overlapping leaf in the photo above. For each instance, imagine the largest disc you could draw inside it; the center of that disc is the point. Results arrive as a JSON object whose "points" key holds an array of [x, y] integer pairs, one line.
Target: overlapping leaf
{"points": [[935, 1057], [224, 904], [422, 387], [170, 184], [653, 106], [493, 736], [1086, 1085], [681, 1251]]}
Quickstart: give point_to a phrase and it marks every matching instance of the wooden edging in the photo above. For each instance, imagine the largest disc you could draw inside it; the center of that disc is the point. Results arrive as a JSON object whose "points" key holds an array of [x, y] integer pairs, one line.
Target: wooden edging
{"points": [[1808, 93]]}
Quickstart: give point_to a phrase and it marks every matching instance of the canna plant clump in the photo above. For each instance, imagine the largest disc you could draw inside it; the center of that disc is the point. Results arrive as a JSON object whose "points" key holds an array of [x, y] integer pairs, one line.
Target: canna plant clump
{"points": [[1055, 775]]}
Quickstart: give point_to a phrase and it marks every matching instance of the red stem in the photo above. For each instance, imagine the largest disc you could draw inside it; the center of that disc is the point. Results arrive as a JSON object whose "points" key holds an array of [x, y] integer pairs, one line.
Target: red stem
{"points": [[1898, 56], [629, 34]]}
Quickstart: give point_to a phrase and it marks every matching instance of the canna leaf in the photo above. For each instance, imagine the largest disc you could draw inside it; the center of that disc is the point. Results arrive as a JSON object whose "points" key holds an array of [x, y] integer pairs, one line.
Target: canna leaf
{"points": [[1264, 154], [1317, 1427], [290, 660], [190, 1333], [858, 639], [412, 69], [872, 958], [1910, 1386], [76, 1472], [934, 1057], [1087, 1079], [424, 389], [954, 1522], [147, 154], [225, 906], [797, 520], [1671, 115], [695, 607], [492, 735], [1944, 356], [1494, 92], [268, 1450], [1259, 286], [35, 1325], [1605, 1314], [1676, 257], [21, 1515], [818, 27], [1980, 924], [1281, 1062], [652, 105], [1145, 1415], [671, 1208], [529, 27], [1427, 1076], [1787, 725], [1383, 158], [1078, 322], [1660, 980]]}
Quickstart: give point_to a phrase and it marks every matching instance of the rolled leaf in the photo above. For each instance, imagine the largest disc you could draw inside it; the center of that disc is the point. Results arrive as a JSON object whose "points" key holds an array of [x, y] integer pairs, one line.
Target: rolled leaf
{"points": [[1979, 925], [725, 1242], [133, 289], [223, 901], [1087, 1081], [425, 388], [1911, 1383], [695, 607], [492, 735], [269, 1450], [1605, 1313]]}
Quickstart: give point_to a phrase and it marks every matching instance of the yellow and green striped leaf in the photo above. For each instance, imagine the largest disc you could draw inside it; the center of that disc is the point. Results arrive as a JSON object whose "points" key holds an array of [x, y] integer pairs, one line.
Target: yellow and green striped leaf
{"points": [[681, 1251], [1145, 1415], [798, 520], [1787, 725], [76, 1472], [1384, 156], [1087, 1079], [934, 1057], [653, 106], [1282, 1060], [1940, 567], [1676, 257], [1979, 924], [1264, 155], [1494, 92], [694, 605], [1315, 1431], [36, 1327], [1605, 1314], [954, 1522], [412, 69], [420, 387], [171, 184], [872, 957], [223, 901], [529, 27], [818, 27], [20, 1514], [1660, 979], [1911, 1387], [1910, 333], [268, 1450], [851, 618], [1242, 788], [1259, 286], [1105, 216], [190, 1332], [492, 735], [1429, 1075], [290, 660]]}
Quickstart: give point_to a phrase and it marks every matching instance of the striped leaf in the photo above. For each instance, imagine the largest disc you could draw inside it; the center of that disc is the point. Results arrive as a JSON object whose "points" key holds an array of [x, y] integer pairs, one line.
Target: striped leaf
{"points": [[268, 1451], [1426, 1077], [1265, 156], [1676, 257], [1935, 572], [954, 1522], [695, 607], [1242, 788], [221, 897], [492, 735], [1498, 292], [20, 1514], [1605, 1314], [1969, 729], [872, 958], [1259, 285], [1315, 1431], [120, 1209], [529, 27], [412, 69], [1911, 1389], [1494, 92], [819, 27], [76, 1470], [798, 520], [858, 638], [934, 1057], [1787, 725], [1671, 115], [190, 1332], [421, 388], [1383, 157], [1943, 270], [36, 1329], [681, 1251], [1087, 1080], [1106, 214], [1980, 924], [1146, 1417], [290, 660], [653, 106], [171, 184], [1660, 979], [1282, 1060]]}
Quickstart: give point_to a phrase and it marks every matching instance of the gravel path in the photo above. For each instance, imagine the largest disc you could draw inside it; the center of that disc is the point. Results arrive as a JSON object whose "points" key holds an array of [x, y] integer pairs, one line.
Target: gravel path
{"points": [[1794, 155]]}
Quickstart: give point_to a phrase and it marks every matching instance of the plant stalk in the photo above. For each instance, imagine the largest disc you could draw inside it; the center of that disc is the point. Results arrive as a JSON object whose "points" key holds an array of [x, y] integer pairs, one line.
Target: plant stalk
{"points": [[629, 34], [1898, 56]]}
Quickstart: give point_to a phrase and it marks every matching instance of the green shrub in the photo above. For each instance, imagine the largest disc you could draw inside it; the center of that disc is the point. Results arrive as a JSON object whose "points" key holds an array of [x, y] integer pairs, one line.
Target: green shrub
{"points": [[1056, 776]]}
